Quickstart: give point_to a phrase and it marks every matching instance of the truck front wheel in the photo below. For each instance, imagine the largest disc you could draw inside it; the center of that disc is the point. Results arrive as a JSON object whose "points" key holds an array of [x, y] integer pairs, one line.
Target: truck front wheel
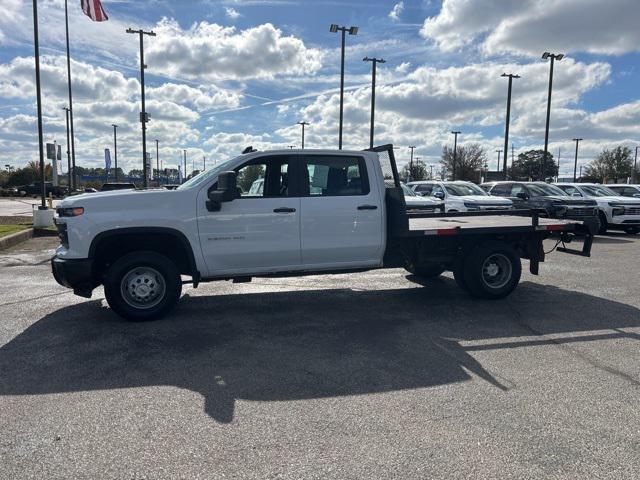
{"points": [[492, 271], [142, 286]]}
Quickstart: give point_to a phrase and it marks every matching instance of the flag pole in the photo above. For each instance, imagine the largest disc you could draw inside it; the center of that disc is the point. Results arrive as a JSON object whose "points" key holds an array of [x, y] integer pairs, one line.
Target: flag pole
{"points": [[73, 144]]}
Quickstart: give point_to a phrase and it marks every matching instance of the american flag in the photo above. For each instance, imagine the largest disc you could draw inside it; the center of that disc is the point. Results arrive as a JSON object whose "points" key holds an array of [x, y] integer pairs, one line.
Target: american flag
{"points": [[93, 9]]}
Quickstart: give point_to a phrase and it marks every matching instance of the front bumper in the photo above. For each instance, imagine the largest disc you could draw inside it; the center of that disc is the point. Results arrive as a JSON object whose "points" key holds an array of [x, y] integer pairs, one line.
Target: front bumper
{"points": [[74, 273]]}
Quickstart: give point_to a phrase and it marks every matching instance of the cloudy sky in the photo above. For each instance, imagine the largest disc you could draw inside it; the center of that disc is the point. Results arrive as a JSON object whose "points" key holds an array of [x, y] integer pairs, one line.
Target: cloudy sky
{"points": [[225, 74]]}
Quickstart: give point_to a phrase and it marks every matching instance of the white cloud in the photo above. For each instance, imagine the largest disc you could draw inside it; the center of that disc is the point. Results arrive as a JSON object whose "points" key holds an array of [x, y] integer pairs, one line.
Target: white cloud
{"points": [[396, 11], [207, 51], [201, 98], [232, 13], [530, 27]]}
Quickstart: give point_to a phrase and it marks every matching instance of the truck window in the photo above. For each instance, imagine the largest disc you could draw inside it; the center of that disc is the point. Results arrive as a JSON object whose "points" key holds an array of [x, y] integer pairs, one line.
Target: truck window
{"points": [[264, 177], [517, 188], [334, 176], [568, 189]]}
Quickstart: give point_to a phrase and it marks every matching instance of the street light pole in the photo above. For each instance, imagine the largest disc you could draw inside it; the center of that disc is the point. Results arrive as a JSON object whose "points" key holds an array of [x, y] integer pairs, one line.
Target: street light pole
{"points": [[115, 148], [73, 141], [575, 164], [36, 44], [157, 162], [505, 156], [66, 110], [184, 175], [411, 163], [511, 76], [553, 58], [303, 124], [352, 31], [374, 62], [455, 153], [144, 118], [635, 163]]}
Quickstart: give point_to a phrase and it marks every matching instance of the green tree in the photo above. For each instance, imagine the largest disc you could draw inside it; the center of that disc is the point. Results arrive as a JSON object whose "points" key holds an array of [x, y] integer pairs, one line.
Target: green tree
{"points": [[469, 161], [527, 166], [23, 176], [418, 171], [613, 165]]}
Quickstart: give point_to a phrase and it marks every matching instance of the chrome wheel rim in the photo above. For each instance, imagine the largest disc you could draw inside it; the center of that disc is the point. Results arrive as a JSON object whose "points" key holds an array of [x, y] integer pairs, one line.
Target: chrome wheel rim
{"points": [[496, 270], [143, 287]]}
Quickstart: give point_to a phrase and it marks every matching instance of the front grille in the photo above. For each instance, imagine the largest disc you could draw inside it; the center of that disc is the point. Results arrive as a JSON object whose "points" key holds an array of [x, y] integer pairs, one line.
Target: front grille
{"points": [[632, 211], [495, 207], [581, 212]]}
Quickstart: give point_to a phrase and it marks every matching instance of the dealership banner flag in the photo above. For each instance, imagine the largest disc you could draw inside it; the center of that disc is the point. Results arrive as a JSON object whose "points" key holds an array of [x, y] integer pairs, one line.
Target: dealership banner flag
{"points": [[107, 159], [93, 9]]}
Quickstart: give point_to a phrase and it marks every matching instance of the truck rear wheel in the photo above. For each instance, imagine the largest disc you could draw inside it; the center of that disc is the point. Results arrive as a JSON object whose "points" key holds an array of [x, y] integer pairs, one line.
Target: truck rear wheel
{"points": [[142, 286], [492, 271]]}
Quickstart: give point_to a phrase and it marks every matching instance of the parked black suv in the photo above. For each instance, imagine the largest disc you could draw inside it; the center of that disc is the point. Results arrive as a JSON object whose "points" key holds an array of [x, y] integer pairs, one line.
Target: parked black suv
{"points": [[35, 190], [549, 200]]}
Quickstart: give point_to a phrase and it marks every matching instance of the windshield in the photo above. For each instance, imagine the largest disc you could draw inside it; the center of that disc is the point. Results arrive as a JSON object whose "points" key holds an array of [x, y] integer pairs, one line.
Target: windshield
{"points": [[598, 191], [460, 189], [206, 175], [408, 192], [544, 190]]}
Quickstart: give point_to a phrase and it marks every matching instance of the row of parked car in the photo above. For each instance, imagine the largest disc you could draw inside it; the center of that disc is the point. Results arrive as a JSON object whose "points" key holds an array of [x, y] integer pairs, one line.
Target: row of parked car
{"points": [[614, 206]]}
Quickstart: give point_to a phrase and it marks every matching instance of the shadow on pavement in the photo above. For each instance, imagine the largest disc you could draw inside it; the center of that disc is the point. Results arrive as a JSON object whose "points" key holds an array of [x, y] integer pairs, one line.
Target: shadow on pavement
{"points": [[297, 344]]}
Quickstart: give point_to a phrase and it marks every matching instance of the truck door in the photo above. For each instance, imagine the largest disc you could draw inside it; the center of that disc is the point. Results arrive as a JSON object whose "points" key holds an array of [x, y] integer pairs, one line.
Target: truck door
{"points": [[258, 232], [342, 212]]}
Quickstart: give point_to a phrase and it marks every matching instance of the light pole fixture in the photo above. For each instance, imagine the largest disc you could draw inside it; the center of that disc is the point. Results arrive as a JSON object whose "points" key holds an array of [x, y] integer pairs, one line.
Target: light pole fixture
{"points": [[455, 153], [412, 148], [553, 57], [635, 163], [36, 45], [374, 62], [352, 31], [575, 164], [499, 152], [303, 124], [144, 117], [511, 76]]}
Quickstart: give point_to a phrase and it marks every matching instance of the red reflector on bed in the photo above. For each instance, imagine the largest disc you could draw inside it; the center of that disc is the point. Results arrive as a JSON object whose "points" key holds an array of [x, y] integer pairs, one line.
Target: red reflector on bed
{"points": [[555, 228]]}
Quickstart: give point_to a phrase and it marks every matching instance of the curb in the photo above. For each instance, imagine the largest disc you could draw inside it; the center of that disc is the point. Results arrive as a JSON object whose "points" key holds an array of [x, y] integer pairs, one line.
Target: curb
{"points": [[15, 238]]}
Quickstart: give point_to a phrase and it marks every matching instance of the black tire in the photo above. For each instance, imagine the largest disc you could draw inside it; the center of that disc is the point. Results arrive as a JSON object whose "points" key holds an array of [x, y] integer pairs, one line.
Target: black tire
{"points": [[604, 225], [458, 274], [141, 272], [632, 230], [492, 271], [427, 270]]}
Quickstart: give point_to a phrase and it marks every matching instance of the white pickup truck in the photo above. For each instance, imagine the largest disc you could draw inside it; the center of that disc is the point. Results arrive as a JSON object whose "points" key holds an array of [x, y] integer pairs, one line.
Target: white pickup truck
{"points": [[319, 211]]}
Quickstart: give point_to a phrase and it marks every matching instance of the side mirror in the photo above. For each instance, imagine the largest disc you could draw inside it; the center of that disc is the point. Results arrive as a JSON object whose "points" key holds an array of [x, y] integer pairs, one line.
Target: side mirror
{"points": [[227, 191], [522, 195], [439, 195], [575, 194]]}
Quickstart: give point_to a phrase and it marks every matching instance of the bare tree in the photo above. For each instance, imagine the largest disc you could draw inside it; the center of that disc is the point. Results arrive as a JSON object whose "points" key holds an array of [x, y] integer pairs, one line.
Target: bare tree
{"points": [[470, 159], [610, 165]]}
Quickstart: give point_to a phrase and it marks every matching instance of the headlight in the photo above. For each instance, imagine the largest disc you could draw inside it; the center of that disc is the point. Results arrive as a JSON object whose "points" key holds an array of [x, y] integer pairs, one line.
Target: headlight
{"points": [[70, 212], [617, 211]]}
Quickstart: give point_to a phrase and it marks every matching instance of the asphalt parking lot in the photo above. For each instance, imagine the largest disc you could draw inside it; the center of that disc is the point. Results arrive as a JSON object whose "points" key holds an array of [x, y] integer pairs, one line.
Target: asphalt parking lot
{"points": [[355, 376], [19, 207]]}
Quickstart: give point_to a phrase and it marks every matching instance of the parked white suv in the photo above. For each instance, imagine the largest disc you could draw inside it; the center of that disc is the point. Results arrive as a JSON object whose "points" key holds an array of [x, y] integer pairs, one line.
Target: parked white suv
{"points": [[460, 196], [614, 211], [626, 190]]}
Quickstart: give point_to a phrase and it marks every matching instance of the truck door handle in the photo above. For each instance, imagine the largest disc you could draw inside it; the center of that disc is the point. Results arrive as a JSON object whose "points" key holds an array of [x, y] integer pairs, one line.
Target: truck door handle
{"points": [[367, 207], [284, 210]]}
